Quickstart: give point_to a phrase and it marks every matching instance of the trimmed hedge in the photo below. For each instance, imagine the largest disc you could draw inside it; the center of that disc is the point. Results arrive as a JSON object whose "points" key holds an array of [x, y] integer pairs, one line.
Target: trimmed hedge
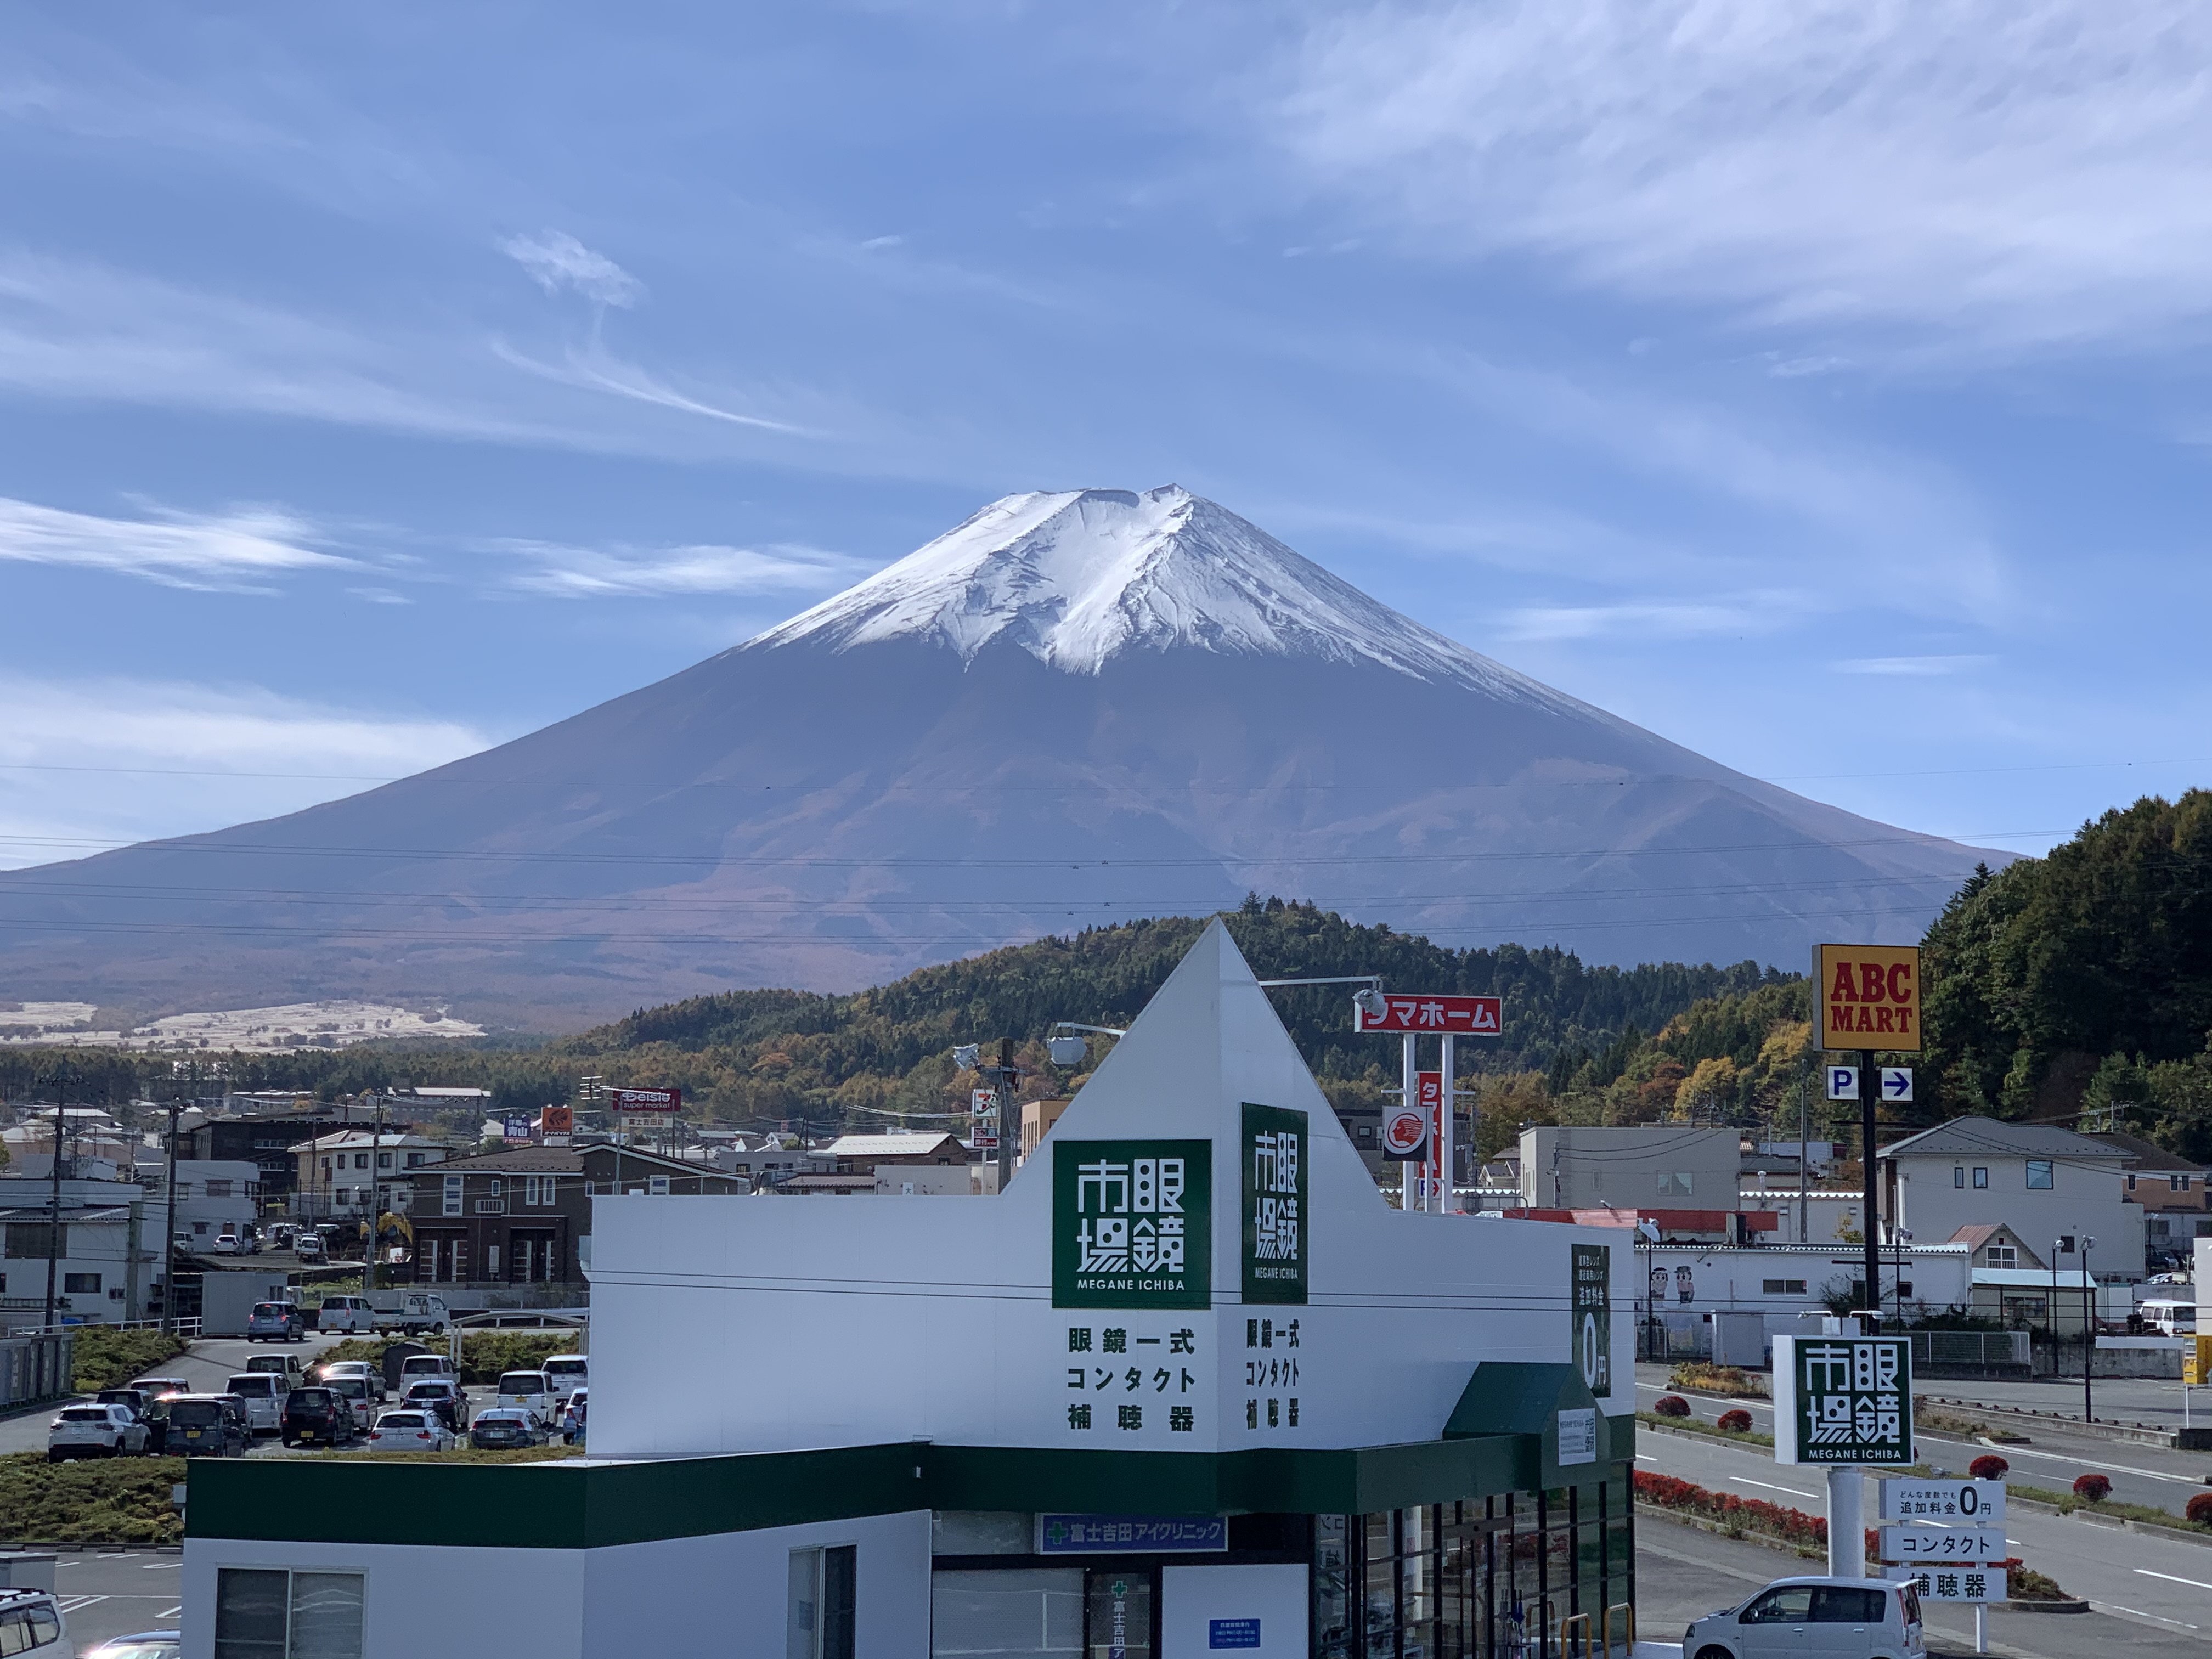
{"points": [[1989, 1466], [113, 1500], [107, 1358], [1671, 1404]]}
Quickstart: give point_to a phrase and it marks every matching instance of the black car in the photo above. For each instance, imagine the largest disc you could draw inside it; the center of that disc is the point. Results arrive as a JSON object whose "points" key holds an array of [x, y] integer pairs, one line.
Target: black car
{"points": [[209, 1426], [318, 1417]]}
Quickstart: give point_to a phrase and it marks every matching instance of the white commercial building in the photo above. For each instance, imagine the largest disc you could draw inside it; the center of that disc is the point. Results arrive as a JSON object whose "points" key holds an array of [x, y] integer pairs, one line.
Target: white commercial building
{"points": [[1669, 1166], [1190, 1384], [2043, 1182], [109, 1256]]}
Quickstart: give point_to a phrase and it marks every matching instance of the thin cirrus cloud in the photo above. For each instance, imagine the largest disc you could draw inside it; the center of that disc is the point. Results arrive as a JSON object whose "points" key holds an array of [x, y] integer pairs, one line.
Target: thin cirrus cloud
{"points": [[237, 552], [557, 261], [1914, 667], [1764, 613], [562, 572], [2002, 175]]}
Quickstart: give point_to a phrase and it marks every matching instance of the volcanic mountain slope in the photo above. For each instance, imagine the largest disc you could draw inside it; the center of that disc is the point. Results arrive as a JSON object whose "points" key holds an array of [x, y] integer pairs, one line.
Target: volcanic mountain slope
{"points": [[1074, 707]]}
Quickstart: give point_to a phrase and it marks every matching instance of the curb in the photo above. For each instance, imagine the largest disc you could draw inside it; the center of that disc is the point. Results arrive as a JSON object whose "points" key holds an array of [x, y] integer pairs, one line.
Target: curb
{"points": [[2138, 1435], [2112, 1523], [2041, 1607]]}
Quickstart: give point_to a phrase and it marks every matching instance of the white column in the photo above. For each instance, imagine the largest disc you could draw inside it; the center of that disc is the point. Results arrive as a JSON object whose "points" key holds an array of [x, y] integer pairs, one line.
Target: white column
{"points": [[1412, 1083], [1444, 1199], [1846, 1523]]}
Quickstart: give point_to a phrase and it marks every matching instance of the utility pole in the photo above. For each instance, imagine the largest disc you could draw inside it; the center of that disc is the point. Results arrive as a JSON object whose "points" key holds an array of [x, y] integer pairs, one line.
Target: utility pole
{"points": [[169, 1230], [2088, 1329], [54, 1216], [1869, 1090], [1009, 1114], [375, 1174], [1804, 1143]]}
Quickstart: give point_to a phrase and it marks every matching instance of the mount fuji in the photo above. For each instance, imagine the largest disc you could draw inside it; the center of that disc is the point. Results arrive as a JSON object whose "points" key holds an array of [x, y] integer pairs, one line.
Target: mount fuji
{"points": [[1075, 708]]}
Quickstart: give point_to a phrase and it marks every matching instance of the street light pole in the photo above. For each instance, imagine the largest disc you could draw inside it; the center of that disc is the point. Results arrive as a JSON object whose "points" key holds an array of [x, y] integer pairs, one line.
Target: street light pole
{"points": [[54, 1213], [2088, 1329], [169, 1232]]}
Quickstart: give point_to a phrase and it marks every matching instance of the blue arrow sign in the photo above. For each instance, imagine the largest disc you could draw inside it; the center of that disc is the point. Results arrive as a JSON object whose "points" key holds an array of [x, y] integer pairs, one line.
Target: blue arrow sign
{"points": [[1897, 1082]]}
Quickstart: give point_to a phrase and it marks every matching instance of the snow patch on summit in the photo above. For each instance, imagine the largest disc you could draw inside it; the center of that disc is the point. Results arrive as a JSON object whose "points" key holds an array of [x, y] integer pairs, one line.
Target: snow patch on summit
{"points": [[1076, 578]]}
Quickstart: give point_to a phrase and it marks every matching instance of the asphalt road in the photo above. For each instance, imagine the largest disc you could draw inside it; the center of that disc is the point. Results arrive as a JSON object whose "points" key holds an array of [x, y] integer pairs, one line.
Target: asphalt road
{"points": [[2154, 1475], [117, 1593], [1683, 1573], [2166, 1584]]}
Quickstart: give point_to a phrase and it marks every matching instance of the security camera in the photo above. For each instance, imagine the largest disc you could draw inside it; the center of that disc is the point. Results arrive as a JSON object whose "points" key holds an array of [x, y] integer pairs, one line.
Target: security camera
{"points": [[1371, 1003]]}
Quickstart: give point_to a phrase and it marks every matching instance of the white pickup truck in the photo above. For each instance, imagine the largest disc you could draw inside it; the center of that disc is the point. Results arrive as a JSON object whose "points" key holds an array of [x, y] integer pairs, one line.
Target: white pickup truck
{"points": [[416, 1313]]}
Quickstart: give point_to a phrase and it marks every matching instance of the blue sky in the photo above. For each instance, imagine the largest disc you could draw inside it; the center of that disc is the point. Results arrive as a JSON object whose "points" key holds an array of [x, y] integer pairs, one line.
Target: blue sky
{"points": [[1821, 386]]}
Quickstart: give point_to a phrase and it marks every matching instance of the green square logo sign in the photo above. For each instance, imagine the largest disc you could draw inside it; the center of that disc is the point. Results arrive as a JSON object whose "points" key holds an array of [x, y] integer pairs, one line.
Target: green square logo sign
{"points": [[1844, 1400], [1273, 1183], [1590, 1266], [1132, 1224]]}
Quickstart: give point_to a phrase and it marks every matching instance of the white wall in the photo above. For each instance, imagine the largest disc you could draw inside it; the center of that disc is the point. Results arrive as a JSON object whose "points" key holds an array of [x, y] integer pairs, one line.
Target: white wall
{"points": [[835, 1323], [1585, 1168], [685, 1598], [2082, 1199]]}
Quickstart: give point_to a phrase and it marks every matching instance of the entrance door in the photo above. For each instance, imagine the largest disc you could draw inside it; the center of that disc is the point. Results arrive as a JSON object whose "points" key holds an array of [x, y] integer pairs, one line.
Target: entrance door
{"points": [[1259, 1610], [1021, 1613]]}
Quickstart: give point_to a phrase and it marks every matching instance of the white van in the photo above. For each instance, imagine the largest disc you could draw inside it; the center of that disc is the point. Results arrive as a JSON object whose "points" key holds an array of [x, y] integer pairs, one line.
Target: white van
{"points": [[567, 1372], [2169, 1317], [263, 1393], [1797, 1618], [351, 1313], [31, 1625]]}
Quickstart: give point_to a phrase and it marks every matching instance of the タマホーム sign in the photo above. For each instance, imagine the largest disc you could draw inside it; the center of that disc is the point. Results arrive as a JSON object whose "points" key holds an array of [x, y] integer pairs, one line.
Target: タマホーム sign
{"points": [[1869, 996]]}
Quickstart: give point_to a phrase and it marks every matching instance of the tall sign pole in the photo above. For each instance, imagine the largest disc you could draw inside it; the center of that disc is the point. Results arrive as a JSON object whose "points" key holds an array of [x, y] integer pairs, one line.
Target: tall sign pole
{"points": [[1410, 1081], [1446, 1111], [1862, 992]]}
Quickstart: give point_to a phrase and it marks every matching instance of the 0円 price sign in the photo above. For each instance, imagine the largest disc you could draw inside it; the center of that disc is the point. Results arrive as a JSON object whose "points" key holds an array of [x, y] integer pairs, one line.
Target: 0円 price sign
{"points": [[1844, 1400]]}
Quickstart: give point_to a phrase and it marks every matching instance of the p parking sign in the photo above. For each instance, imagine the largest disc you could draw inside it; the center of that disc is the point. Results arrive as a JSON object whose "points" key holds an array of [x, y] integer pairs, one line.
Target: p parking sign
{"points": [[1844, 1400]]}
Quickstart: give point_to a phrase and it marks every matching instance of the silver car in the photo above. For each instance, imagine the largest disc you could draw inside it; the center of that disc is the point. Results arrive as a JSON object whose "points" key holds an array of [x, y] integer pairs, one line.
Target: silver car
{"points": [[263, 1393], [276, 1322], [1801, 1618]]}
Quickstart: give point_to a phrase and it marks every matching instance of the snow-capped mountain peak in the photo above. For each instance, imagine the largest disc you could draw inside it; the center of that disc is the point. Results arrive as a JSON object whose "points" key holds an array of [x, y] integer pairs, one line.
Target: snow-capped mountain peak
{"points": [[1078, 577]]}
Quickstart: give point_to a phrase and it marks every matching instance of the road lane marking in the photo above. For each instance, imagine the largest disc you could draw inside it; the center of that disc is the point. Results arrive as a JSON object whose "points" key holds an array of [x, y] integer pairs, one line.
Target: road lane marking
{"points": [[2135, 1613], [162, 1567], [2194, 1584], [2068, 1457], [171, 1613], [1770, 1487], [78, 1603]]}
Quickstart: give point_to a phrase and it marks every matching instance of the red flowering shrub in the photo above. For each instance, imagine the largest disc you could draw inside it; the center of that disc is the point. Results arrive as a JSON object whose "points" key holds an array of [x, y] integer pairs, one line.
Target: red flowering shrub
{"points": [[1736, 1422], [1989, 1466], [1747, 1514], [1672, 1405], [2199, 1509], [2095, 1487]]}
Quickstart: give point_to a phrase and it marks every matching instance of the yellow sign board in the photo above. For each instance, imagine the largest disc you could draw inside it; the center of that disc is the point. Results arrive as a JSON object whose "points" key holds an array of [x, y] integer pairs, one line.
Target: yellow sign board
{"points": [[2196, 1360], [1867, 996]]}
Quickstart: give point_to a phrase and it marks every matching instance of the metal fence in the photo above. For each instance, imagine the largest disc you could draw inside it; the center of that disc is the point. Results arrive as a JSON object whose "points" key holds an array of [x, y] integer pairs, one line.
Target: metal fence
{"points": [[38, 1365], [1981, 1353]]}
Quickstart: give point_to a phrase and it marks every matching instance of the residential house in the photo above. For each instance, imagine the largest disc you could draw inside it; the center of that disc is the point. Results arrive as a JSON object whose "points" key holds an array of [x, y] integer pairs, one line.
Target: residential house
{"points": [[523, 1215], [214, 1196], [864, 1154], [107, 1263], [2175, 1192], [267, 1139], [2044, 1182], [334, 1175], [1666, 1166], [1993, 1245]]}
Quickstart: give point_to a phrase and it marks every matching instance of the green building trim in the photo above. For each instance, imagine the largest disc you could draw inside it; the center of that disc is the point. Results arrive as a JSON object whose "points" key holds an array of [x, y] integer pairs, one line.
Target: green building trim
{"points": [[577, 1505]]}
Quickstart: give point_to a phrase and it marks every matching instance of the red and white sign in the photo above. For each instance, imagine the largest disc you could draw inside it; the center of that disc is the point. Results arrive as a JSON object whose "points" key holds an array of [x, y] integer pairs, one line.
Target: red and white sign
{"points": [[1429, 1087], [637, 1103], [1482, 1016], [983, 1107], [1404, 1129]]}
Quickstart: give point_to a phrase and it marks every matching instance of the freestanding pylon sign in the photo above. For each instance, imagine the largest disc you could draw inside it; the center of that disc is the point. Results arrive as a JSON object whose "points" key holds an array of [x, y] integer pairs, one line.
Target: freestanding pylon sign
{"points": [[1445, 1017]]}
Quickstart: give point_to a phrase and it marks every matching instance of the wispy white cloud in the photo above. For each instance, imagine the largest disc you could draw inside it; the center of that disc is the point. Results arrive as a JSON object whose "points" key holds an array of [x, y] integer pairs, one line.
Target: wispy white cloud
{"points": [[2010, 174], [123, 759], [577, 573], [1764, 613], [595, 369], [1913, 667], [235, 551], [558, 260]]}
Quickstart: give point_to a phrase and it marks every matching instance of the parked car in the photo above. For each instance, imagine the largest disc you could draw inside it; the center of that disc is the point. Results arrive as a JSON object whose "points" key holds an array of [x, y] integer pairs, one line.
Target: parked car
{"points": [[286, 1365], [32, 1625], [318, 1416], [308, 1247], [411, 1430], [418, 1312], [421, 1367], [572, 1416], [155, 1386], [1791, 1618], [263, 1394], [225, 1244], [347, 1313], [530, 1391], [146, 1645], [148, 1408], [94, 1431], [280, 1235], [371, 1375], [567, 1372], [276, 1322], [353, 1390], [209, 1426], [501, 1428], [442, 1395]]}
